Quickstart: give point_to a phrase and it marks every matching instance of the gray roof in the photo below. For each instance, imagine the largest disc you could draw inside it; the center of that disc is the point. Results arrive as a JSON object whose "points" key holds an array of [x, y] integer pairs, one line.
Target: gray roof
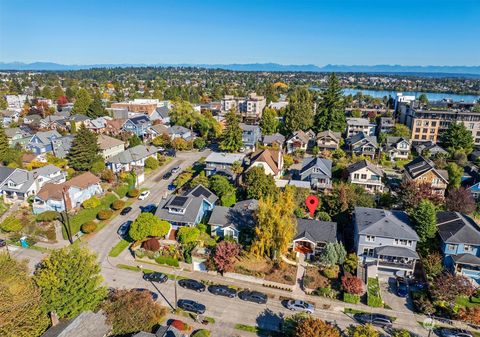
{"points": [[45, 136], [62, 145], [384, 223], [362, 164], [224, 158], [230, 216], [275, 138], [421, 165], [87, 324], [334, 135], [466, 258], [201, 191], [325, 165], [248, 127], [133, 154], [316, 231], [362, 136], [396, 251], [10, 132], [358, 121], [5, 172], [79, 118], [251, 204], [386, 121], [178, 130], [141, 119], [457, 228], [163, 111], [20, 176], [431, 147], [391, 141], [305, 137]]}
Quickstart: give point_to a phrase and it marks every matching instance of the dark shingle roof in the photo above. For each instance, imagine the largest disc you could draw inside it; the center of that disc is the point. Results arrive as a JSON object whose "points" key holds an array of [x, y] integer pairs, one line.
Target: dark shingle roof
{"points": [[316, 231], [457, 228], [384, 223], [360, 137], [421, 165], [235, 217], [325, 165], [201, 191], [466, 258], [362, 164]]}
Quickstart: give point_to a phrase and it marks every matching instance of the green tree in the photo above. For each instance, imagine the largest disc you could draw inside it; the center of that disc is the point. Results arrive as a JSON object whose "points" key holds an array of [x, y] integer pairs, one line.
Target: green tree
{"points": [[259, 185], [183, 114], [333, 254], [232, 135], [455, 174], [21, 306], [366, 330], [423, 99], [151, 163], [299, 111], [130, 311], [82, 102], [200, 179], [424, 217], [269, 122], [400, 130], [147, 224], [5, 150], [96, 108], [84, 150], [457, 137], [223, 189], [331, 108], [188, 234], [3, 103], [134, 141], [70, 281], [58, 92]]}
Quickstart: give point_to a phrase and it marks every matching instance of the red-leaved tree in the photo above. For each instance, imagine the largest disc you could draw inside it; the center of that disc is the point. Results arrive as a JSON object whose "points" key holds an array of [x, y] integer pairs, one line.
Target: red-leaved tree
{"points": [[460, 200], [412, 193], [447, 287], [225, 254], [471, 315], [352, 285], [62, 100]]}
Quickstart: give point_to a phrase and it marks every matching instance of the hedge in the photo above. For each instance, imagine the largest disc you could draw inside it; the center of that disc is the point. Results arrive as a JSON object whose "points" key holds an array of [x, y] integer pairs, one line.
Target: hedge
{"points": [[168, 260], [104, 214], [92, 202], [118, 204], [202, 332], [89, 227], [121, 190], [134, 193], [351, 298], [373, 293]]}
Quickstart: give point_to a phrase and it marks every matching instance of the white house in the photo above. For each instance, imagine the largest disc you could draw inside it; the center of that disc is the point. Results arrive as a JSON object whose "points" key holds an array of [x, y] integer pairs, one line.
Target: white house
{"points": [[367, 175]]}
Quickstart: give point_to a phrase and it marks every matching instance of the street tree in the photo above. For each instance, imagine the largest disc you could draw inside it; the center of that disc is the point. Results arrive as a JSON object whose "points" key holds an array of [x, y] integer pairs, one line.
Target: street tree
{"points": [[330, 111], [84, 150], [314, 327], [447, 287], [232, 134], [70, 281], [455, 174], [147, 224]]}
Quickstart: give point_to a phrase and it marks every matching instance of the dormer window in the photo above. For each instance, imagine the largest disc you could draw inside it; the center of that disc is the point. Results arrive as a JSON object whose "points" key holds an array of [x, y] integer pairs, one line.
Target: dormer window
{"points": [[176, 210]]}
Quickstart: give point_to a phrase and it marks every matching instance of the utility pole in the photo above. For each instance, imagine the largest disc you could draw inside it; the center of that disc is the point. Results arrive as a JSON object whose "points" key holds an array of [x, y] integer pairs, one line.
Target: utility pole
{"points": [[66, 218]]}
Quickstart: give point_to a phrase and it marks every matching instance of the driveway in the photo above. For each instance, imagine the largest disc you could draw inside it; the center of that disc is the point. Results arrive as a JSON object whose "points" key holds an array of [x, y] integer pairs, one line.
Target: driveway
{"points": [[388, 288]]}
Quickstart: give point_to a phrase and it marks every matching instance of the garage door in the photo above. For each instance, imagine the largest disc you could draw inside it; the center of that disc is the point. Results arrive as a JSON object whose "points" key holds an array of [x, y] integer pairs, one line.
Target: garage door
{"points": [[199, 266]]}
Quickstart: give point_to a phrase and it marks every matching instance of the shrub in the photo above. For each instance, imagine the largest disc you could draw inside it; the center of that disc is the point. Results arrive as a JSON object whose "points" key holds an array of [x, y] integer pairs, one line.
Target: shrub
{"points": [[351, 298], [118, 204], [202, 332], [182, 326], [93, 202], [11, 224], [326, 292], [107, 175], [331, 272], [133, 193], [48, 216], [50, 234], [151, 163], [89, 227], [352, 285], [151, 245], [104, 214], [373, 293], [121, 190], [188, 234], [168, 260]]}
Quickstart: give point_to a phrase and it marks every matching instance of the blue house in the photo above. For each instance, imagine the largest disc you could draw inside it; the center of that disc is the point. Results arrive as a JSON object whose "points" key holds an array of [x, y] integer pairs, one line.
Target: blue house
{"points": [[137, 125], [41, 142], [460, 237], [475, 191]]}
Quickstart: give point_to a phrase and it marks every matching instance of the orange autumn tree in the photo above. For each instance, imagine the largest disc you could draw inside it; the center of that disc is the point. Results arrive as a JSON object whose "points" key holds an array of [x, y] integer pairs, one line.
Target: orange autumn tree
{"points": [[314, 327]]}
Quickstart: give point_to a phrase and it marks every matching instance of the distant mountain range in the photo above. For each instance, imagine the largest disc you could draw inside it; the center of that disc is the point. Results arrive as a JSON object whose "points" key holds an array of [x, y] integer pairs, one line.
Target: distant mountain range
{"points": [[390, 69]]}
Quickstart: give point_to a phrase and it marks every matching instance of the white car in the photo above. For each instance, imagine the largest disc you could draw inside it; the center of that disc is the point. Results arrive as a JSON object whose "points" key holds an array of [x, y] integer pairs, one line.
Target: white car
{"points": [[144, 195], [297, 305]]}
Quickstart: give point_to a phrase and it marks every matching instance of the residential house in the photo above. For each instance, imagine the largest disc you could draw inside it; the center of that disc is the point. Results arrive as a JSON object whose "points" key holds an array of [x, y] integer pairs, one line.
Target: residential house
{"points": [[231, 221], [18, 136], [300, 140], [78, 120], [32, 119], [114, 127], [359, 125], [362, 144], [22, 184], [177, 131], [99, 124], [270, 160], [251, 135], [221, 163], [132, 159], [162, 114], [62, 145], [367, 175], [87, 324], [188, 209], [277, 140], [460, 236], [137, 125], [9, 117], [423, 171], [385, 241], [386, 125], [67, 195], [140, 105], [397, 148], [16, 101], [317, 171], [475, 191], [328, 140], [110, 146], [312, 236], [430, 148], [41, 142]]}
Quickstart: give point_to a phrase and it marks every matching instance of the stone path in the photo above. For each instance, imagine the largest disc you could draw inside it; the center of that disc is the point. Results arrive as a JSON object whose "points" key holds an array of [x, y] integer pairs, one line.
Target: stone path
{"points": [[298, 290]]}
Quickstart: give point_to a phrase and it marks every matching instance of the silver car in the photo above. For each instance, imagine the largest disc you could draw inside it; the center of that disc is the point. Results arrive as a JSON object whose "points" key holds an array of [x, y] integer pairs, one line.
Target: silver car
{"points": [[297, 305]]}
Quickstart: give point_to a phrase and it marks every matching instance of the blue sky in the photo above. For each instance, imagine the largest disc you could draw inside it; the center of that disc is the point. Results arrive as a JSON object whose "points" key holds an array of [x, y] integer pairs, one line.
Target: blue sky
{"points": [[318, 32]]}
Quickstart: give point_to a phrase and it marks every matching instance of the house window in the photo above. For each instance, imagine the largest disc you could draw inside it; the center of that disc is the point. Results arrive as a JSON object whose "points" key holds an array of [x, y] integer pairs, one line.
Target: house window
{"points": [[370, 238], [364, 176], [452, 247], [368, 252], [399, 242], [355, 176], [435, 181], [468, 248]]}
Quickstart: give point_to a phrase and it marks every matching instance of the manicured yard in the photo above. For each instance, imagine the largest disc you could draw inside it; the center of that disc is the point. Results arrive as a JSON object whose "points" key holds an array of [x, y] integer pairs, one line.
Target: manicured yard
{"points": [[373, 293], [119, 248]]}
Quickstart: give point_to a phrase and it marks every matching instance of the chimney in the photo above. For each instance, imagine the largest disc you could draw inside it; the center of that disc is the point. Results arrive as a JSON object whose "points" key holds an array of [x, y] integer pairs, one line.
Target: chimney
{"points": [[54, 318]]}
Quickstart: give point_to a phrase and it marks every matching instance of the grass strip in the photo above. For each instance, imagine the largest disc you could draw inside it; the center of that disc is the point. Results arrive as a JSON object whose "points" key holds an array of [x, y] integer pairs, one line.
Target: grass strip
{"points": [[119, 248]]}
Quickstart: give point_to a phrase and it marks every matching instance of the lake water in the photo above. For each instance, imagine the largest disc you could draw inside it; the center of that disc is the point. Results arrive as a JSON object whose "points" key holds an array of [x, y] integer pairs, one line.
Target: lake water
{"points": [[432, 96]]}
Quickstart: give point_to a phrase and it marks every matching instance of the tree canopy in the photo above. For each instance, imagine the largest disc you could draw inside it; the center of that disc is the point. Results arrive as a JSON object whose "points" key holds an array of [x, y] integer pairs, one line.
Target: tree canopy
{"points": [[258, 184], [330, 111], [84, 150], [269, 122], [424, 216], [82, 102], [147, 224], [457, 137], [223, 189], [232, 134], [96, 108], [299, 111]]}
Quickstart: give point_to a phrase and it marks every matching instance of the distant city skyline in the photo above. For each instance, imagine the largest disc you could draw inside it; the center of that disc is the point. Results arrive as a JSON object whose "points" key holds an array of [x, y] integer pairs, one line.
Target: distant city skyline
{"points": [[350, 32]]}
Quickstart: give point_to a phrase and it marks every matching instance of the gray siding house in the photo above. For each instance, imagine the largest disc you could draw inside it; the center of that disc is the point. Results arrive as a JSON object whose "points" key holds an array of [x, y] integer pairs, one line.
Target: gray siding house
{"points": [[251, 135], [385, 242], [318, 171]]}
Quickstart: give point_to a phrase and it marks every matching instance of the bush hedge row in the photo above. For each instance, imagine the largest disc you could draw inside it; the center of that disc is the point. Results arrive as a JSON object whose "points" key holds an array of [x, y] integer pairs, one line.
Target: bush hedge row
{"points": [[351, 298]]}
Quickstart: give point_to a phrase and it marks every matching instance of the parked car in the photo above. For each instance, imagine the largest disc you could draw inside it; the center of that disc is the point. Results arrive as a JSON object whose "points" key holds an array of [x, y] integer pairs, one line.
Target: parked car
{"points": [[149, 208], [446, 332], [191, 306], [171, 187], [253, 296], [143, 195], [176, 169], [155, 277], [297, 305], [402, 287], [124, 228], [222, 290], [167, 175], [379, 320], [3, 243], [152, 294], [125, 211], [192, 285]]}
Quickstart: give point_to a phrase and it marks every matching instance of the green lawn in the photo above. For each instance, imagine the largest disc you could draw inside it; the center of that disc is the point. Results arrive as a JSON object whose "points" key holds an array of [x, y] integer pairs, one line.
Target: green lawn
{"points": [[255, 329], [465, 302], [119, 248]]}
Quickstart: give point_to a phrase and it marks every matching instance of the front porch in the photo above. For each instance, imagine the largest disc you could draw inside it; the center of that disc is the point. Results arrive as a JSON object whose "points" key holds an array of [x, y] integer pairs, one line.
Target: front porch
{"points": [[467, 265]]}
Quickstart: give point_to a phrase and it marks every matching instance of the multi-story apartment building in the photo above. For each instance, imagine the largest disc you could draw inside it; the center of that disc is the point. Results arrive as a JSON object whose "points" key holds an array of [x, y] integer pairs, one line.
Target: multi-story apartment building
{"points": [[250, 107], [359, 125]]}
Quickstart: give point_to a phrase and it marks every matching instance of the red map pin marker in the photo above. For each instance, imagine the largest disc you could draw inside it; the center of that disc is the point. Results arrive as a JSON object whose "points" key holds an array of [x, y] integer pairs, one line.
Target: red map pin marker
{"points": [[312, 203]]}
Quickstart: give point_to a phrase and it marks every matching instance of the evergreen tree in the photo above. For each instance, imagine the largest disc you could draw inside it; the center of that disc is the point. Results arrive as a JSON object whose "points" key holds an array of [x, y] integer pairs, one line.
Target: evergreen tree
{"points": [[134, 141], [331, 111], [232, 135], [70, 281], [82, 102], [269, 122], [84, 150], [58, 92], [299, 111], [424, 216], [457, 137], [455, 174], [96, 108], [5, 150]]}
